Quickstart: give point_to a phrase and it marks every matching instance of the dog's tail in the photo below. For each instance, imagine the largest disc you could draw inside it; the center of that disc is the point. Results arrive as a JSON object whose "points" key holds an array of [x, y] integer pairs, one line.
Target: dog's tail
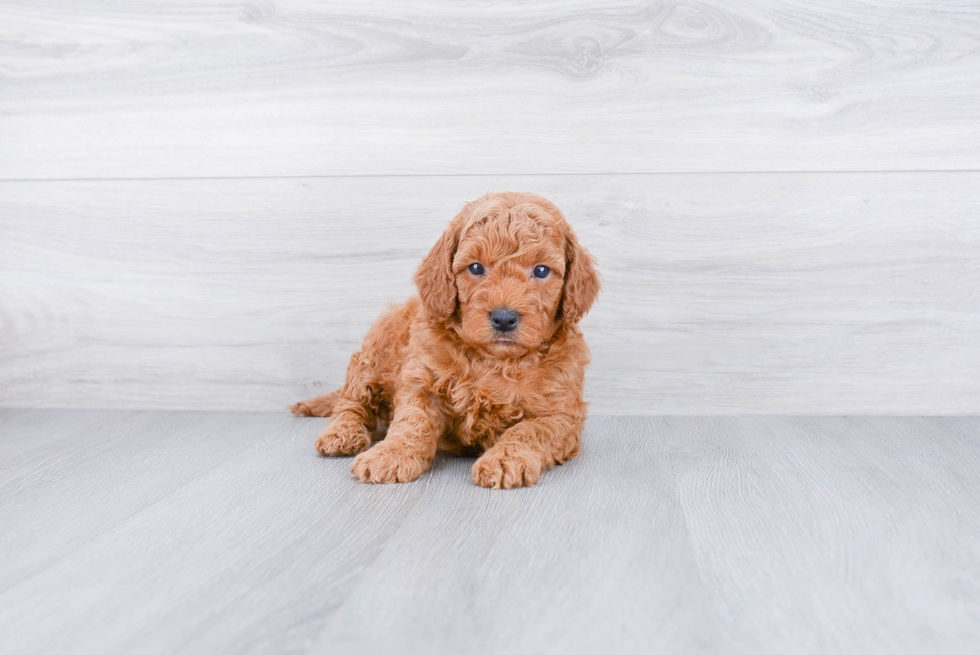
{"points": [[319, 406]]}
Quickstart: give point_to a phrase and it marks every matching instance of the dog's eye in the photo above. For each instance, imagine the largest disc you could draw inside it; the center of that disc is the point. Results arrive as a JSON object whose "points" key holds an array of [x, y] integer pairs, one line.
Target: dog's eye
{"points": [[541, 271], [476, 268]]}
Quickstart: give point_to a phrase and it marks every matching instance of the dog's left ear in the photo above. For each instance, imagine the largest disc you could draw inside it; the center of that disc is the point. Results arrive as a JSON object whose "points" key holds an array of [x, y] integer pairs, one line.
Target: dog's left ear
{"points": [[434, 276], [581, 281]]}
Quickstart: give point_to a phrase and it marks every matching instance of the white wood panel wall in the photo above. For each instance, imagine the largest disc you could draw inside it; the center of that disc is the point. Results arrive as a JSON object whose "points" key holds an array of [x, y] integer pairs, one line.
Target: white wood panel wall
{"points": [[304, 87], [205, 205]]}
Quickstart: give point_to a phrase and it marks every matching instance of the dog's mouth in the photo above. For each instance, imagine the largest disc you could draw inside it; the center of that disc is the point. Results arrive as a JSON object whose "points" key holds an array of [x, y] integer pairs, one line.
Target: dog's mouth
{"points": [[504, 340]]}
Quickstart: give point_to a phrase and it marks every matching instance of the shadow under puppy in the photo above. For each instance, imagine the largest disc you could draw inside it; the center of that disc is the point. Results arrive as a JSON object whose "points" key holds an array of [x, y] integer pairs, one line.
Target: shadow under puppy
{"points": [[488, 358]]}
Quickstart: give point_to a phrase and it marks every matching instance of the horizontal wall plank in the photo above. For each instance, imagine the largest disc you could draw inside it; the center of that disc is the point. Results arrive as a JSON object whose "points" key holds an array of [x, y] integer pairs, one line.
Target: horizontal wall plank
{"points": [[781, 293], [164, 89]]}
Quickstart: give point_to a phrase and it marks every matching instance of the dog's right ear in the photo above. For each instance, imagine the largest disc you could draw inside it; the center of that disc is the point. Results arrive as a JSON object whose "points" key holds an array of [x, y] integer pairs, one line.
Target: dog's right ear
{"points": [[434, 277]]}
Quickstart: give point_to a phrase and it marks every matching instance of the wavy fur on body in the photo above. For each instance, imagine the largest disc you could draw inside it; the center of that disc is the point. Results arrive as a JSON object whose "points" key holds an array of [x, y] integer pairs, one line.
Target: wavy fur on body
{"points": [[438, 373]]}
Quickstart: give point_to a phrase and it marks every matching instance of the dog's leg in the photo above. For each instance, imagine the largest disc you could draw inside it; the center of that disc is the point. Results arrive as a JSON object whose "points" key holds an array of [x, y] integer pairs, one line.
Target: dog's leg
{"points": [[526, 449], [354, 412], [319, 406], [410, 446]]}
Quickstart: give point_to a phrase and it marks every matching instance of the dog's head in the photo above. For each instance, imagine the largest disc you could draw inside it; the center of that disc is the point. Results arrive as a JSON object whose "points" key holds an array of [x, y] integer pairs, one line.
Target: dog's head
{"points": [[508, 270]]}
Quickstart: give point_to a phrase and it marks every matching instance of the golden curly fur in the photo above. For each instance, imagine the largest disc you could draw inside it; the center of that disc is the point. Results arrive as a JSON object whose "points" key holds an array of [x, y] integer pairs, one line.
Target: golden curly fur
{"points": [[444, 373]]}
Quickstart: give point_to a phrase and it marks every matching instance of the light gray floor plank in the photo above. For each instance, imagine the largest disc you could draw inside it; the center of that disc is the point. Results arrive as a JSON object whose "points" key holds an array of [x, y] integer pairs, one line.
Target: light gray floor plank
{"points": [[67, 492], [25, 432], [723, 294], [271, 531], [114, 89], [586, 561], [680, 534], [818, 535]]}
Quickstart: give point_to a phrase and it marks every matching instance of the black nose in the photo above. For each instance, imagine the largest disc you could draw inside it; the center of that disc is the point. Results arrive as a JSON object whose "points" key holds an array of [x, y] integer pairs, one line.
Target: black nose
{"points": [[504, 319]]}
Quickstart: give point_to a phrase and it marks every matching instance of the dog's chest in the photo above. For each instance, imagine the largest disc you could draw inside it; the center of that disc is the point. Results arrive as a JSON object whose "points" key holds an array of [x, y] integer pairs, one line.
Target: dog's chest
{"points": [[483, 405]]}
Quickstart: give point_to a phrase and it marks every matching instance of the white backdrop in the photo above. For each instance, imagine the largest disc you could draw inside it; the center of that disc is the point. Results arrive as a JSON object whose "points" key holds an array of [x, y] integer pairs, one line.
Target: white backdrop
{"points": [[204, 205]]}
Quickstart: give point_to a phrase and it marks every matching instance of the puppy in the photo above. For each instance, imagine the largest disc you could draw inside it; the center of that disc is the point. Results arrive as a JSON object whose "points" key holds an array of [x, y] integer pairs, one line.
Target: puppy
{"points": [[487, 360]]}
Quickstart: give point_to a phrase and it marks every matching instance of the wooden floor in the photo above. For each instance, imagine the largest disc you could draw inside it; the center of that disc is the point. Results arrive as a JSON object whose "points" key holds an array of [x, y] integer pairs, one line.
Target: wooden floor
{"points": [[208, 532]]}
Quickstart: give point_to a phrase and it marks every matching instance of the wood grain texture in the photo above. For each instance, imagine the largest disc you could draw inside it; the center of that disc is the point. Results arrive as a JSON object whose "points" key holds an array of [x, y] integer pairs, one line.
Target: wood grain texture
{"points": [[168, 89], [791, 512], [751, 535], [793, 293], [48, 481]]}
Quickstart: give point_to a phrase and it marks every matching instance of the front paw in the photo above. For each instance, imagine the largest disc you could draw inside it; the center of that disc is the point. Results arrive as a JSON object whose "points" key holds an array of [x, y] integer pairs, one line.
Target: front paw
{"points": [[343, 438], [507, 466], [389, 462]]}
